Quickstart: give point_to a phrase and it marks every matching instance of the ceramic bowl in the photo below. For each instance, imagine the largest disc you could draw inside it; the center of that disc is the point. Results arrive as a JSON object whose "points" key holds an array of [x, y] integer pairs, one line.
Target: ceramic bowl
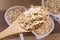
{"points": [[46, 34], [11, 8], [55, 17]]}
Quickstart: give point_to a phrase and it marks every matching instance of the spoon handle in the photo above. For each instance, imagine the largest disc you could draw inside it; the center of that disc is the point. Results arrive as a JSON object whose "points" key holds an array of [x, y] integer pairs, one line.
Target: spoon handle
{"points": [[12, 29]]}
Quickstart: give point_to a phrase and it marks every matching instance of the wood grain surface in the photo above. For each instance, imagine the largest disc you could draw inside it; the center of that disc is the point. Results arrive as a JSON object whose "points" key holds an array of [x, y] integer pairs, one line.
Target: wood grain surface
{"points": [[55, 36], [5, 4], [4, 25]]}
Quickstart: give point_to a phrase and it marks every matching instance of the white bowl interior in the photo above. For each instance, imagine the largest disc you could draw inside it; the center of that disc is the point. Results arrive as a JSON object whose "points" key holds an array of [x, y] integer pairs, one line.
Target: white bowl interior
{"points": [[44, 35]]}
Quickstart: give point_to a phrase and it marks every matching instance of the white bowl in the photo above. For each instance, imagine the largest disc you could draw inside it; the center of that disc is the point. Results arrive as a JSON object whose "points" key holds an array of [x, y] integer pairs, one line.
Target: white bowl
{"points": [[54, 16], [44, 35], [11, 8]]}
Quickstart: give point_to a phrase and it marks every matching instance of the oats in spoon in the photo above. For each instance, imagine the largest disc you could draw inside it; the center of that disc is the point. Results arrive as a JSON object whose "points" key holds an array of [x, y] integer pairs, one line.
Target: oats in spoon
{"points": [[33, 18]]}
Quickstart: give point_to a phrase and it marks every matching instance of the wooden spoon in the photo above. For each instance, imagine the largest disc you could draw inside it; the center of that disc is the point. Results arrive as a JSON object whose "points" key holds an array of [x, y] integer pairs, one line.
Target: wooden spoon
{"points": [[14, 28]]}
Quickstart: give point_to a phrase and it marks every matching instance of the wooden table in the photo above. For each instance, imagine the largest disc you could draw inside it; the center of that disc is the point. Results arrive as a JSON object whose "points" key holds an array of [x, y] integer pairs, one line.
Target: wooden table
{"points": [[4, 25], [5, 4]]}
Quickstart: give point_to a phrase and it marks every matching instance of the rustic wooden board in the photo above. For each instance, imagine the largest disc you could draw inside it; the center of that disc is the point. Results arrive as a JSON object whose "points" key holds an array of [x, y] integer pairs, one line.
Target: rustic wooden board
{"points": [[5, 4], [53, 37], [26, 38]]}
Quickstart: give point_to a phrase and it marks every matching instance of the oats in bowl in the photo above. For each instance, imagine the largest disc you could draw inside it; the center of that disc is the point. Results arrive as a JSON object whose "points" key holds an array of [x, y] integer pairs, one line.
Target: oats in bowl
{"points": [[33, 18], [52, 5], [44, 28], [13, 12]]}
